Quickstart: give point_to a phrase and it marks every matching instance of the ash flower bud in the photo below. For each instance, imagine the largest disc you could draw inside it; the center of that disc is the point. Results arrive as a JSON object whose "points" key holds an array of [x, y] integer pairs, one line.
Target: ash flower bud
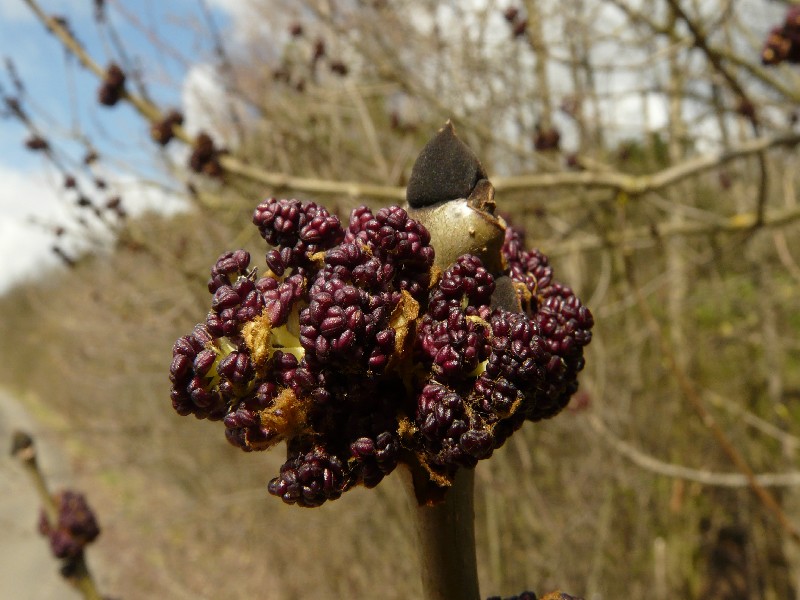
{"points": [[75, 528], [363, 346]]}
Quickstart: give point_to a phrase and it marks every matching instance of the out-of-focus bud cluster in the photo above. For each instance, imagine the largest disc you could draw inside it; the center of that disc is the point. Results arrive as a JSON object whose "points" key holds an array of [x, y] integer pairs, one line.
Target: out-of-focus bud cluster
{"points": [[308, 54], [546, 138], [783, 42], [522, 596], [99, 10], [516, 20], [358, 352], [113, 86], [532, 596], [90, 157], [37, 143], [162, 132], [110, 206], [75, 528], [205, 156], [12, 107]]}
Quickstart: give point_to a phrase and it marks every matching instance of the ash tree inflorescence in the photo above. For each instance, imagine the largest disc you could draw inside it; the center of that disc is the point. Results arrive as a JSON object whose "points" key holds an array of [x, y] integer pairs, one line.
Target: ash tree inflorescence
{"points": [[359, 349]]}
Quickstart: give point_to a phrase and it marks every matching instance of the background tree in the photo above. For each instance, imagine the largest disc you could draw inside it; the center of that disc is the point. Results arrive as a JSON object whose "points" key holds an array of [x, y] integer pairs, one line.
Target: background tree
{"points": [[645, 146]]}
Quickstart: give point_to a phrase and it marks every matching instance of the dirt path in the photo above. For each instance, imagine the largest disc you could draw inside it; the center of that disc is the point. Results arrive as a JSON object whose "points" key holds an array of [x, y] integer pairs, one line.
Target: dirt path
{"points": [[27, 570]]}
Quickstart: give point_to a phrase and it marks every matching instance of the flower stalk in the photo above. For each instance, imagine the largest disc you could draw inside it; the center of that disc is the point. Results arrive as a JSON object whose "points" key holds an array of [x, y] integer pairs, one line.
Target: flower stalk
{"points": [[74, 569], [446, 540]]}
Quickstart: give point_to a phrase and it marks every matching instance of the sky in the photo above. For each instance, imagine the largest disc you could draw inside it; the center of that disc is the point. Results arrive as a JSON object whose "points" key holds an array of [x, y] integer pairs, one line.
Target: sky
{"points": [[33, 201]]}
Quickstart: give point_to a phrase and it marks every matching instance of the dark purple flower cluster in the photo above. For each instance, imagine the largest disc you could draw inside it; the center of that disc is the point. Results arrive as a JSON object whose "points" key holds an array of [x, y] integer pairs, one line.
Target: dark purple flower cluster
{"points": [[76, 526], [563, 322], [399, 245], [358, 353], [783, 42], [489, 368], [297, 230]]}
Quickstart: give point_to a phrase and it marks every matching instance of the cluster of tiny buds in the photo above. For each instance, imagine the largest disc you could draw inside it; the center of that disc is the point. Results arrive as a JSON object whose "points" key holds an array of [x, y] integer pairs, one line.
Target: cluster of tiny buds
{"points": [[75, 527], [783, 42], [357, 352], [112, 204], [113, 86]]}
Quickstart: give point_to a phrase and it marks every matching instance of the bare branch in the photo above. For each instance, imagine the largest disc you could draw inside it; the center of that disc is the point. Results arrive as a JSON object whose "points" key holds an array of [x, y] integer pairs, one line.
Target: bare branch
{"points": [[635, 185], [647, 236], [654, 465], [691, 394]]}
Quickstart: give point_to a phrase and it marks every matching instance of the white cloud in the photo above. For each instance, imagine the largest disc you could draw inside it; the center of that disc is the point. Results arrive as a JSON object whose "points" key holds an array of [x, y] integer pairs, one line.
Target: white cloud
{"points": [[31, 207], [207, 105], [139, 198], [24, 246], [236, 8], [202, 95], [628, 113], [247, 23]]}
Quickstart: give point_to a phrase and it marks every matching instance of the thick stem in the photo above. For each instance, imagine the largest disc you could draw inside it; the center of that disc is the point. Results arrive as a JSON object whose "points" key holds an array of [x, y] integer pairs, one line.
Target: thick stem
{"points": [[446, 541]]}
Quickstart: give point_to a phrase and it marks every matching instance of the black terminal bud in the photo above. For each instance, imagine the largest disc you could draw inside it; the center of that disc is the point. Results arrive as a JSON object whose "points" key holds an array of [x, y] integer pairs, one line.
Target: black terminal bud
{"points": [[21, 444], [446, 169]]}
